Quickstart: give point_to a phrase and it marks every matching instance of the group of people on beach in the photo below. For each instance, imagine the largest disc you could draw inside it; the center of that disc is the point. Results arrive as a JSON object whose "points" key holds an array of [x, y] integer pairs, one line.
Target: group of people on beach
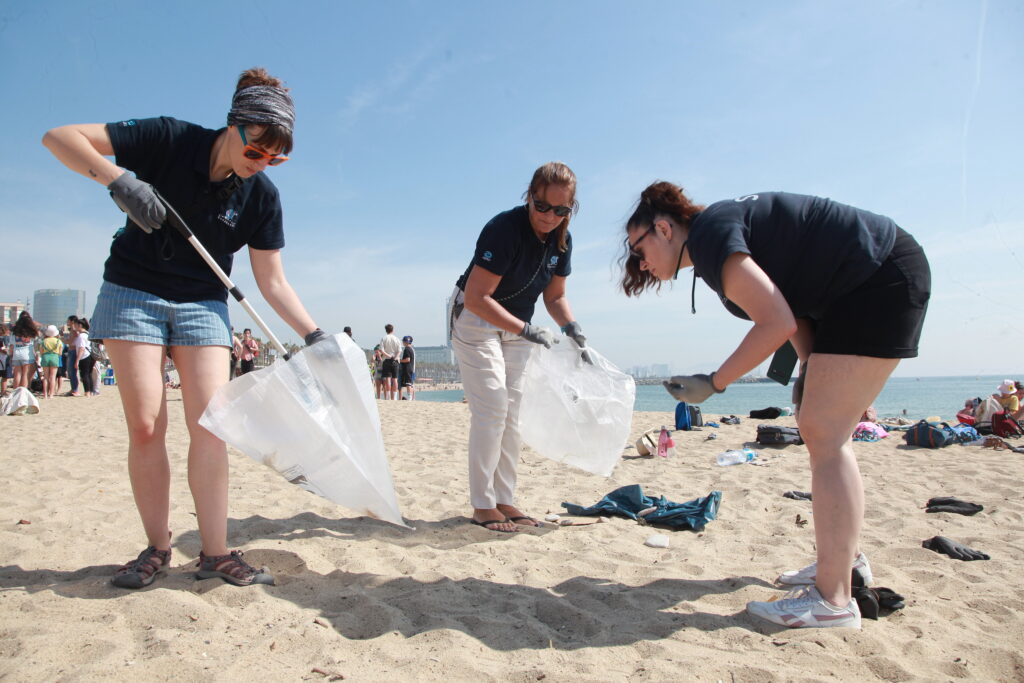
{"points": [[50, 354], [393, 366], [799, 268]]}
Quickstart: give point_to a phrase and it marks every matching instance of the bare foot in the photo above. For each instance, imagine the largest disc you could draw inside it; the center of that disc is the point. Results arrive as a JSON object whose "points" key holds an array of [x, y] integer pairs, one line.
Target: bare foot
{"points": [[493, 520], [515, 515]]}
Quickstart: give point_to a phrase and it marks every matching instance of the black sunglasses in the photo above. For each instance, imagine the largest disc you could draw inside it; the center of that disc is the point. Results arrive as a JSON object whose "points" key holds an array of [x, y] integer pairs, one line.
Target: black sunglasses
{"points": [[632, 247], [544, 207]]}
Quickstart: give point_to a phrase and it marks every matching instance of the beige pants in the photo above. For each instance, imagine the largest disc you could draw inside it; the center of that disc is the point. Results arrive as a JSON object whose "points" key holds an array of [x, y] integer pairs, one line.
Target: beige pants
{"points": [[492, 363]]}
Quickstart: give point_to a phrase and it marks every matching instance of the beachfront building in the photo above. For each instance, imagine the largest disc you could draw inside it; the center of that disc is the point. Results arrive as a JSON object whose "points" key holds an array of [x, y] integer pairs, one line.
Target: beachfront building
{"points": [[54, 306], [9, 312], [435, 354]]}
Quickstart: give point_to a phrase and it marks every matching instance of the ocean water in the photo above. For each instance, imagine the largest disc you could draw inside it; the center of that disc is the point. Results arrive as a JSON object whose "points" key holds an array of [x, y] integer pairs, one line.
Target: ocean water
{"points": [[918, 396]]}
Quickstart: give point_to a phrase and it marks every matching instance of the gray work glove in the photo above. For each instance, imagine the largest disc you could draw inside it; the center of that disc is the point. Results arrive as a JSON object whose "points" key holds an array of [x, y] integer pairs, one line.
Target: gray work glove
{"points": [[137, 199], [575, 332], [315, 336], [692, 388], [538, 335]]}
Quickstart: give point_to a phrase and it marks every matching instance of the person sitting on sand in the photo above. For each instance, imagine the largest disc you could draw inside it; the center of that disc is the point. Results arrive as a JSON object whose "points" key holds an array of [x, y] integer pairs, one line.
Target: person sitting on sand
{"points": [[158, 294], [1006, 394], [799, 268], [520, 255]]}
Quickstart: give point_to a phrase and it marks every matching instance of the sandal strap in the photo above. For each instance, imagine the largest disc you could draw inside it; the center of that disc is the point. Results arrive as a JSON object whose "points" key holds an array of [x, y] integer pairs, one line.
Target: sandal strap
{"points": [[232, 564], [143, 564]]}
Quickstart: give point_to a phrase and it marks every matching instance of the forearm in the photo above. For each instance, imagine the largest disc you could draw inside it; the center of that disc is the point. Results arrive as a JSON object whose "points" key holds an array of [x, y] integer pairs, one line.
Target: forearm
{"points": [[761, 342], [286, 303], [558, 309], [494, 313], [75, 151]]}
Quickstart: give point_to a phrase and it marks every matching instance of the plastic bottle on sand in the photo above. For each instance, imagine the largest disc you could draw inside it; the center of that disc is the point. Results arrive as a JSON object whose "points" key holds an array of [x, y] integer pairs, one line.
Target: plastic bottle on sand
{"points": [[666, 446], [735, 457]]}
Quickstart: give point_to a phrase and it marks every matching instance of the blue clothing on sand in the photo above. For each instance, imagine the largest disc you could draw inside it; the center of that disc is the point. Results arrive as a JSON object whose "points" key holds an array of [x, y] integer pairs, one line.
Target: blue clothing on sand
{"points": [[627, 501]]}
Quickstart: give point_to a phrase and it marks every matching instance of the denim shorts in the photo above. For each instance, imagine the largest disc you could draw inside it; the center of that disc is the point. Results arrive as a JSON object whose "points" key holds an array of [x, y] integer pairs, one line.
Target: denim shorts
{"points": [[133, 315]]}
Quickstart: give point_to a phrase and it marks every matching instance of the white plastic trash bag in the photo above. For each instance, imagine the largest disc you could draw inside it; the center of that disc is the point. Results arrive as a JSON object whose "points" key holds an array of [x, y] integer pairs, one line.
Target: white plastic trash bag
{"points": [[573, 412], [20, 402], [313, 419]]}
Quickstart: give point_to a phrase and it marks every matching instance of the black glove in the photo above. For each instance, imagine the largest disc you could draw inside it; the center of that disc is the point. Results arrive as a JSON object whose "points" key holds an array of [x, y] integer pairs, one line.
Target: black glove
{"points": [[948, 546], [315, 336], [692, 388], [944, 504], [538, 335], [575, 332], [137, 199]]}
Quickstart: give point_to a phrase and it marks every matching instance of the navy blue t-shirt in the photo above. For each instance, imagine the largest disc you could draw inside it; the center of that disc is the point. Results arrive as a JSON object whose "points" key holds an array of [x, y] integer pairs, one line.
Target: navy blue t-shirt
{"points": [[509, 247], [174, 157], [812, 248]]}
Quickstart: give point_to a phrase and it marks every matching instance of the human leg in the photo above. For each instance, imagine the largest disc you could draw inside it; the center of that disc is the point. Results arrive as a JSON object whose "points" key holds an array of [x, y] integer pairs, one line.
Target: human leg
{"points": [[516, 352], [200, 372], [85, 374], [140, 385], [49, 381], [837, 390], [477, 347], [73, 372]]}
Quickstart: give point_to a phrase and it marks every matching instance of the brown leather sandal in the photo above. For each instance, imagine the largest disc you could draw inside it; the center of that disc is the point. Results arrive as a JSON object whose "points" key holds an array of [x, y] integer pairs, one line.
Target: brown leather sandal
{"points": [[144, 569], [233, 569]]}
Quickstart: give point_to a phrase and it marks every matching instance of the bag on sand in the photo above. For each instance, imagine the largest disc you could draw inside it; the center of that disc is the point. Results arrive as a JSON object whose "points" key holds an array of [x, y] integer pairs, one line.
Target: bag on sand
{"points": [[20, 402], [773, 435], [1005, 426], [574, 412], [930, 435]]}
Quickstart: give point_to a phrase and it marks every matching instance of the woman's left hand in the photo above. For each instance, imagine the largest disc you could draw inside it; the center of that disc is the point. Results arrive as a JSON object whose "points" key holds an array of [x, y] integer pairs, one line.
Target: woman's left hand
{"points": [[692, 388]]}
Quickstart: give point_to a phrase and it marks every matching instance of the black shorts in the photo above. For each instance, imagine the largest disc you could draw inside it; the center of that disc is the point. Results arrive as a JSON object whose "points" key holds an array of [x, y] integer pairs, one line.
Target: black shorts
{"points": [[408, 378], [883, 316], [389, 368]]}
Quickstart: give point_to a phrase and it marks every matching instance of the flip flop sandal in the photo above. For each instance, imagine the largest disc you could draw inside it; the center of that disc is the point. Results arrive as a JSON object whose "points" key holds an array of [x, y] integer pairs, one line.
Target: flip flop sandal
{"points": [[233, 569], [488, 522], [526, 520], [144, 569]]}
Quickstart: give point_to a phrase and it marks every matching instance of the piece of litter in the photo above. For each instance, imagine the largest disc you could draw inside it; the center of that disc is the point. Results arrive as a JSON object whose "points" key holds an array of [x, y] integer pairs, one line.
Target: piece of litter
{"points": [[657, 541], [320, 622], [565, 522], [647, 511], [24, 521], [551, 518]]}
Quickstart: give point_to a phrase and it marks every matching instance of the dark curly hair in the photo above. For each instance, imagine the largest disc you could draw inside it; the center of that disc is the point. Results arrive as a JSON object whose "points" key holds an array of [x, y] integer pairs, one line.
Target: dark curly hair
{"points": [[25, 327], [660, 198]]}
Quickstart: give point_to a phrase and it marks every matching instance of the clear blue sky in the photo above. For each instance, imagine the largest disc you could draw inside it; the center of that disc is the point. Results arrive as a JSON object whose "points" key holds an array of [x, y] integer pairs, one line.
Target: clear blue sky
{"points": [[418, 121]]}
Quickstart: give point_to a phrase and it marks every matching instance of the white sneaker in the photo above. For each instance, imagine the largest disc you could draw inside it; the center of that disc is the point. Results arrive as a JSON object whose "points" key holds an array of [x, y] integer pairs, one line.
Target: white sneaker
{"points": [[805, 608], [809, 574]]}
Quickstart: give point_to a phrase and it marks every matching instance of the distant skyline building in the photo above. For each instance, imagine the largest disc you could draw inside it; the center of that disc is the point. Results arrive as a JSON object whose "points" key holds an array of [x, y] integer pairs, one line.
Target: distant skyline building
{"points": [[9, 312], [54, 306]]}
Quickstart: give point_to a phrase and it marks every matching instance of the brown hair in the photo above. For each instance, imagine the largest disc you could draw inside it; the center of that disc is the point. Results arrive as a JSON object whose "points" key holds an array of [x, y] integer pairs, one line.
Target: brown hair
{"points": [[25, 327], [660, 198], [556, 173], [272, 137]]}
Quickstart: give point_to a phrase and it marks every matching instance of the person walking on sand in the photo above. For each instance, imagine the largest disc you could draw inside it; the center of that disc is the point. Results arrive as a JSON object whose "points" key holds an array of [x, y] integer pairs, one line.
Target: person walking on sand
{"points": [[799, 268], [407, 372], [158, 294], [522, 254], [83, 357], [250, 351], [49, 359], [72, 364]]}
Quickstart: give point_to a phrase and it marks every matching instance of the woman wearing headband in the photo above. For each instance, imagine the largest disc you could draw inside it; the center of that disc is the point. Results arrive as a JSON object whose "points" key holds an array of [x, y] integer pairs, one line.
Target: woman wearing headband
{"points": [[801, 269], [159, 296], [520, 255]]}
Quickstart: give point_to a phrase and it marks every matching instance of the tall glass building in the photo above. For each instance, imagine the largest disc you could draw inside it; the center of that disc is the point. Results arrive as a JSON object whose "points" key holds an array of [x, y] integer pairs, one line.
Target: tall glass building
{"points": [[53, 306]]}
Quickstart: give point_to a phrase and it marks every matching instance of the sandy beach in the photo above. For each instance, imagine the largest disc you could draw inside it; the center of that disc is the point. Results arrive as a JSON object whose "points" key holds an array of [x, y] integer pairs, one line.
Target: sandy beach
{"points": [[369, 601]]}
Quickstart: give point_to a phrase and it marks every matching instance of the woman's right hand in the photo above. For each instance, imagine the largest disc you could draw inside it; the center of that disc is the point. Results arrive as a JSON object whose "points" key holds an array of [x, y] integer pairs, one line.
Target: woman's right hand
{"points": [[138, 199]]}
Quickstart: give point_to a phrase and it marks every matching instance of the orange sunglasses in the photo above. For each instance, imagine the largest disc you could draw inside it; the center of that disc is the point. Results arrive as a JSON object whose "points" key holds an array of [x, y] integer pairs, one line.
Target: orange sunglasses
{"points": [[251, 152]]}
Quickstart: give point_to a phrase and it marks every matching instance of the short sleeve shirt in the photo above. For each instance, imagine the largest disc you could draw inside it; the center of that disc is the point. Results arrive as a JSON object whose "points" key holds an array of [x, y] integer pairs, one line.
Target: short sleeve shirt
{"points": [[174, 157], [509, 247], [814, 249], [409, 353]]}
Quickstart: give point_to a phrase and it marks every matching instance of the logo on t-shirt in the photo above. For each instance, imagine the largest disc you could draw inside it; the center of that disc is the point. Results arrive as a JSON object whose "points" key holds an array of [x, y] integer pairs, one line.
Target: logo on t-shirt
{"points": [[487, 256], [129, 122], [746, 197], [229, 217], [553, 262]]}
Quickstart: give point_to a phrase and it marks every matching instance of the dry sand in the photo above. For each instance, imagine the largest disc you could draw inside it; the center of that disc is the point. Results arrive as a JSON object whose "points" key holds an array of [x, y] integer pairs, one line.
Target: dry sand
{"points": [[372, 602]]}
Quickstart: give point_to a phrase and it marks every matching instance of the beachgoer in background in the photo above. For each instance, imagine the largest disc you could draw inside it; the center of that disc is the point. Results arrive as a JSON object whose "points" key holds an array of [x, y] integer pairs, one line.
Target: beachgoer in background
{"points": [[6, 346], [24, 358], [800, 268], [521, 254], [348, 331], [250, 351], [390, 349], [236, 352], [408, 368], [1019, 393], [83, 357], [49, 359], [214, 178], [72, 362], [1006, 394], [377, 370]]}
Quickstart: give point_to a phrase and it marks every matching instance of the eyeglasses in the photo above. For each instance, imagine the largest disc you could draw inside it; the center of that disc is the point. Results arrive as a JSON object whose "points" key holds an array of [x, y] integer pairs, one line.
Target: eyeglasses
{"points": [[251, 152], [633, 247], [544, 207]]}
